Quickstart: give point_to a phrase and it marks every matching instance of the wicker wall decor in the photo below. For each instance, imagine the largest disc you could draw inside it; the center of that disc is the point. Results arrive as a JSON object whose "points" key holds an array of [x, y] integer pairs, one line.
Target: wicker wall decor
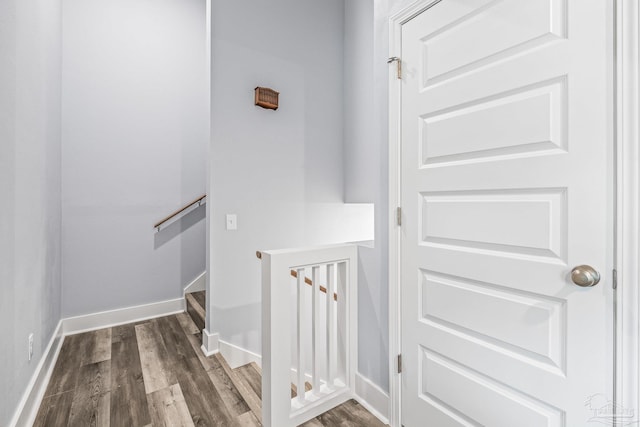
{"points": [[266, 98]]}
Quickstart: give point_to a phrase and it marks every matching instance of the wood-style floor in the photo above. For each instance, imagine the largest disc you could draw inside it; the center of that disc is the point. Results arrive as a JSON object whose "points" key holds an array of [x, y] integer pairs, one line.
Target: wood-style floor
{"points": [[153, 373]]}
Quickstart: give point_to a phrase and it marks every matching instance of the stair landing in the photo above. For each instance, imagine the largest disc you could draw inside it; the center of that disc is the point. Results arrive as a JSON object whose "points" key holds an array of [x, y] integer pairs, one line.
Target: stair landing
{"points": [[153, 372]]}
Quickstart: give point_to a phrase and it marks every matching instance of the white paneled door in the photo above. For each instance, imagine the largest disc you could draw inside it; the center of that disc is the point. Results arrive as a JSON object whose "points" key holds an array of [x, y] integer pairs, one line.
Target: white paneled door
{"points": [[506, 186]]}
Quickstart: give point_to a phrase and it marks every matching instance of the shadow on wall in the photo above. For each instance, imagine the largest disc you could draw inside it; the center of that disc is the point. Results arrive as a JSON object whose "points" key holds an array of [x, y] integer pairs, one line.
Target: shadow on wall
{"points": [[175, 228]]}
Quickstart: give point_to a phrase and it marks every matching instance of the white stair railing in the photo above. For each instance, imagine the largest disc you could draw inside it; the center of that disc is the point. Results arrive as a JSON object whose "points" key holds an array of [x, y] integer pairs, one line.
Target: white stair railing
{"points": [[309, 333]]}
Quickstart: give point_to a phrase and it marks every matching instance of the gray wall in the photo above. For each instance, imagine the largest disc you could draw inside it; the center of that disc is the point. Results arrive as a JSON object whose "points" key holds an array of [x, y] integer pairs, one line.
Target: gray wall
{"points": [[135, 131], [30, 266], [270, 168], [367, 167], [366, 180]]}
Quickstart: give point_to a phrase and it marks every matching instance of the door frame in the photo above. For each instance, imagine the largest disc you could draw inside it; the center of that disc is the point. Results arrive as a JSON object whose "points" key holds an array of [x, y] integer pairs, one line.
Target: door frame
{"points": [[626, 110]]}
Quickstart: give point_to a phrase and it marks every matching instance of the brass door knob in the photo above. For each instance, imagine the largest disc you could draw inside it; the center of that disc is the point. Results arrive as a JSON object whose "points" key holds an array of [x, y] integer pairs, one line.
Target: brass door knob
{"points": [[585, 276]]}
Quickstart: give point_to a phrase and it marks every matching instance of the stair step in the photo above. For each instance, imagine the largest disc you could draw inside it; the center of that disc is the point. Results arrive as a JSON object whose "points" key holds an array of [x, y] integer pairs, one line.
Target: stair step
{"points": [[196, 302], [243, 386], [252, 375]]}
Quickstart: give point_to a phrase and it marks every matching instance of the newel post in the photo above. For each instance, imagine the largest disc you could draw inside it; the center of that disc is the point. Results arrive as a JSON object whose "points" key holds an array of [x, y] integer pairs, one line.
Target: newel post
{"points": [[276, 354]]}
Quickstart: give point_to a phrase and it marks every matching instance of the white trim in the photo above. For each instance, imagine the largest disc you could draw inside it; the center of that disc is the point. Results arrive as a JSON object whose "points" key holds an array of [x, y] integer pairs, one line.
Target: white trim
{"points": [[628, 213], [198, 284], [238, 356], [319, 407], [372, 397], [121, 316], [27, 409], [395, 344], [395, 232], [210, 343]]}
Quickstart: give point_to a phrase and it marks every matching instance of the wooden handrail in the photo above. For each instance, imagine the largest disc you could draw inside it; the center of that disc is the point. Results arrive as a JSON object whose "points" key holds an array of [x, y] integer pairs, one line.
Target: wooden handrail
{"points": [[179, 211], [306, 279]]}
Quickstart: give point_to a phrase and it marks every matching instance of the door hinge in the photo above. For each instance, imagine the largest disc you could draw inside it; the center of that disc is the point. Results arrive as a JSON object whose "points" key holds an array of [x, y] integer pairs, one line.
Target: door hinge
{"points": [[399, 363], [399, 216], [615, 279], [398, 62]]}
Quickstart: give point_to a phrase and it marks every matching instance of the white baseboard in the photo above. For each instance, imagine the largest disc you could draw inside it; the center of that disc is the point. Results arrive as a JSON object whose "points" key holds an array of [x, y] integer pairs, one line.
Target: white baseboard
{"points": [[210, 343], [198, 284], [121, 316], [372, 397], [27, 410], [237, 356]]}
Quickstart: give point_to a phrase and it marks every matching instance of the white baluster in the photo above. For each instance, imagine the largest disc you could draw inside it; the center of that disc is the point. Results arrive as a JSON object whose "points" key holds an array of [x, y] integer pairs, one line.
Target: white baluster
{"points": [[341, 321], [330, 325], [315, 334], [301, 335]]}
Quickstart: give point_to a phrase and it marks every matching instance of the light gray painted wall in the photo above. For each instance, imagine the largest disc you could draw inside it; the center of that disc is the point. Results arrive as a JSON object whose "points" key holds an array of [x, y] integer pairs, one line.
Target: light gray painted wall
{"points": [[30, 254], [135, 131], [268, 167], [366, 181], [367, 167]]}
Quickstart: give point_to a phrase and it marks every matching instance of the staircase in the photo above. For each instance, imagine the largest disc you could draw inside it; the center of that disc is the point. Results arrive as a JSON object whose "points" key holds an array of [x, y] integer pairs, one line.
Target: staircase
{"points": [[247, 379], [196, 303], [245, 382]]}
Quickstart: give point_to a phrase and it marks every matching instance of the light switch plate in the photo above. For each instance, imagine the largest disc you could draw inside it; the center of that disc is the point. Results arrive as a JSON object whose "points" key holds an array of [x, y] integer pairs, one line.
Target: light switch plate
{"points": [[232, 222]]}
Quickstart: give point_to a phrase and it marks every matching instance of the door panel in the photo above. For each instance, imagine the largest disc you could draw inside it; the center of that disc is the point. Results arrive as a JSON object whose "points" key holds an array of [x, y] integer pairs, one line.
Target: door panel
{"points": [[505, 187]]}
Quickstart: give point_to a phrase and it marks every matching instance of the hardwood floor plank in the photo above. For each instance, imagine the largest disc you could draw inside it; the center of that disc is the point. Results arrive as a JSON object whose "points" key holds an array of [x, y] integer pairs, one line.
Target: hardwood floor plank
{"points": [[257, 368], [251, 377], [244, 389], [65, 372], [201, 298], [330, 418], [91, 398], [90, 411], [168, 408], [156, 369], [196, 312], [54, 410], [250, 396], [205, 403], [128, 398], [98, 347], [174, 338], [359, 414], [196, 341], [216, 372], [122, 333], [312, 423], [248, 419], [228, 391], [349, 414], [187, 324], [94, 379]]}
